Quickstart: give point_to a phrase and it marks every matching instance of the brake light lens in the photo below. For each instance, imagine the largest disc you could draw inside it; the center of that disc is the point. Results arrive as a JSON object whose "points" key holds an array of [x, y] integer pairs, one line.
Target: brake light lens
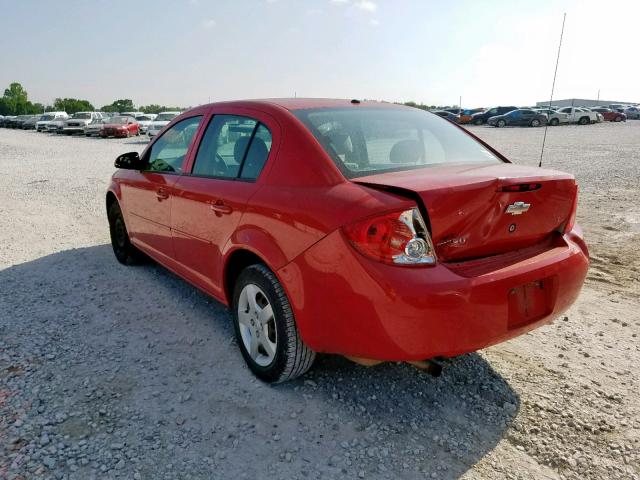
{"points": [[571, 221], [399, 238]]}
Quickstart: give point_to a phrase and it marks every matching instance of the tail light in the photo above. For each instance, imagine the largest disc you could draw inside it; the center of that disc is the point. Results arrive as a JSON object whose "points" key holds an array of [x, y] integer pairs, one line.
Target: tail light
{"points": [[571, 221], [399, 238]]}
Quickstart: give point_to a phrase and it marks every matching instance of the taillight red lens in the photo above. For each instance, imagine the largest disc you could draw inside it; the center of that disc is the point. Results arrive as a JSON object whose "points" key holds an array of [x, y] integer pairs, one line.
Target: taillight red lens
{"points": [[571, 221], [398, 238]]}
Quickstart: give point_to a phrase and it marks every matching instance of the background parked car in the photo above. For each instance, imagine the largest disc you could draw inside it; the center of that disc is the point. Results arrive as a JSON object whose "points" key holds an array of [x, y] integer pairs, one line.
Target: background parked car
{"points": [[95, 126], [145, 120], [80, 120], [610, 115], [160, 121], [466, 116], [553, 116], [447, 114], [632, 113], [122, 126], [41, 124], [30, 123], [519, 118], [482, 117], [56, 125], [579, 115]]}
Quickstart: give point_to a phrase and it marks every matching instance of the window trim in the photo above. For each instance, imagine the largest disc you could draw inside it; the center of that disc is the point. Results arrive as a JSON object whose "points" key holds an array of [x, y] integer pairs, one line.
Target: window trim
{"points": [[244, 157], [147, 153]]}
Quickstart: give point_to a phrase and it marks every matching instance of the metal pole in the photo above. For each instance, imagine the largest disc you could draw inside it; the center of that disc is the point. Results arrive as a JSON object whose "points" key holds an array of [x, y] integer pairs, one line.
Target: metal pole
{"points": [[553, 86]]}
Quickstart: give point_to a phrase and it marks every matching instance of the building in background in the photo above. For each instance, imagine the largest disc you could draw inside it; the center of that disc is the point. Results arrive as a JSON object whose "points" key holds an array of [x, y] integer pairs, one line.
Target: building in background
{"points": [[582, 102]]}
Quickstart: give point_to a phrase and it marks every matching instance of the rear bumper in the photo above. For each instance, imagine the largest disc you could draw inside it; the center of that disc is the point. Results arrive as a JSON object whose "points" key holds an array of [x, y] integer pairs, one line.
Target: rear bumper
{"points": [[347, 304]]}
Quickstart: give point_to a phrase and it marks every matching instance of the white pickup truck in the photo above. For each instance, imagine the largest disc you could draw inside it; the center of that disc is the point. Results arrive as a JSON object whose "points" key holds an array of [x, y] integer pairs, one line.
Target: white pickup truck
{"points": [[579, 115]]}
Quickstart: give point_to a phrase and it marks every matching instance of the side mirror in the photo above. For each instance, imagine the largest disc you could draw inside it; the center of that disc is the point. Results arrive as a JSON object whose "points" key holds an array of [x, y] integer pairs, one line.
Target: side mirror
{"points": [[129, 161]]}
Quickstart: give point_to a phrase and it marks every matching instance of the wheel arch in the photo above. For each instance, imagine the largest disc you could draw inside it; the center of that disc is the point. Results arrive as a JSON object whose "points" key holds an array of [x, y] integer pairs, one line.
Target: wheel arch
{"points": [[235, 262]]}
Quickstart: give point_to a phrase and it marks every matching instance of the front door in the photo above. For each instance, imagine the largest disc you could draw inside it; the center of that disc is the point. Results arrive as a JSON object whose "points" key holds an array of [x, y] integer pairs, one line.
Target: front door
{"points": [[209, 202], [148, 193]]}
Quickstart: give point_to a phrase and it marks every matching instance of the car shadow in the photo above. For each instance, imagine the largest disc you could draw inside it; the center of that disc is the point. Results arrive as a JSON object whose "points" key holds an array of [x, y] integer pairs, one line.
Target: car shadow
{"points": [[164, 352]]}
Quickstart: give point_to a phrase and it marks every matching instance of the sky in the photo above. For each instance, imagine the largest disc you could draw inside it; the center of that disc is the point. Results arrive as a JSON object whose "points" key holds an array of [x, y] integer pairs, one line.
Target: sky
{"points": [[190, 52]]}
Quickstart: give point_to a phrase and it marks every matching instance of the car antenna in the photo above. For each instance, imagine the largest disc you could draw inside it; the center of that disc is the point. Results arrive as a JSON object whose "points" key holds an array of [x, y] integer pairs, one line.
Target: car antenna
{"points": [[553, 86]]}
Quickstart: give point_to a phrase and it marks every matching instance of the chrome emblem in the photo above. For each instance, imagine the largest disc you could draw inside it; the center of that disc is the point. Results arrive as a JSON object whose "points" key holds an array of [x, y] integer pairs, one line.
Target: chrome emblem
{"points": [[517, 208]]}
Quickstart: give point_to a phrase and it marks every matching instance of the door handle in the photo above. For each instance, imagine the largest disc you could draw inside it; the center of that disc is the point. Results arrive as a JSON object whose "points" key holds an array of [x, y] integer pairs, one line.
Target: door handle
{"points": [[162, 194], [220, 207]]}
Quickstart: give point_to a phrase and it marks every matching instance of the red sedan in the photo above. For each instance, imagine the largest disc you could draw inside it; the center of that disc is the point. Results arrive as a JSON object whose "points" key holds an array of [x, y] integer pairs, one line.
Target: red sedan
{"points": [[120, 127], [371, 230], [610, 115]]}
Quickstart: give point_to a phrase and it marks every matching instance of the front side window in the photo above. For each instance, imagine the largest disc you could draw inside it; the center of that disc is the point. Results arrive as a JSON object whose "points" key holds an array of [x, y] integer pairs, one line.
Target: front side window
{"points": [[233, 147], [168, 152], [367, 141]]}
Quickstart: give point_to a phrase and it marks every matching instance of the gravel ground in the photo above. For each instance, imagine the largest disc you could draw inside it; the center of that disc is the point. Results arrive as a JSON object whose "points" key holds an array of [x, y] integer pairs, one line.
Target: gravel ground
{"points": [[109, 372]]}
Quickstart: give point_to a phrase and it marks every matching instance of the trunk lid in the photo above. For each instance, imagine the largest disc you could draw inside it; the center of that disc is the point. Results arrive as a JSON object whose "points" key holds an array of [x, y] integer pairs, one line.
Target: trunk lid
{"points": [[481, 210]]}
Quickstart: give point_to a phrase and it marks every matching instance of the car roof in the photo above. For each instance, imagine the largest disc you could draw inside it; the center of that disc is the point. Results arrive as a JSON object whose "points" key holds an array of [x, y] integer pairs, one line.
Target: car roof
{"points": [[304, 103]]}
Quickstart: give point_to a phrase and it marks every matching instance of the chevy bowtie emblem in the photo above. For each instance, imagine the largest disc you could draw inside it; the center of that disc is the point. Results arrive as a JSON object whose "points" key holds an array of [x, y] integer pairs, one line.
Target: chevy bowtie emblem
{"points": [[517, 208]]}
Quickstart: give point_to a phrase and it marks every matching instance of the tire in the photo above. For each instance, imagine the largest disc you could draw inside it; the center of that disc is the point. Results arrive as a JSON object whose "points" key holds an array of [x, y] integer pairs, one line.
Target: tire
{"points": [[123, 249], [500, 123], [128, 133], [554, 122], [279, 353], [583, 120], [617, 119], [535, 122], [478, 121]]}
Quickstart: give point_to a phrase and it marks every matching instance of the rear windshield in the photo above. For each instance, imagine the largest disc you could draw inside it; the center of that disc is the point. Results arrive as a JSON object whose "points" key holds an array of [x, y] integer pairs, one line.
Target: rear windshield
{"points": [[366, 141]]}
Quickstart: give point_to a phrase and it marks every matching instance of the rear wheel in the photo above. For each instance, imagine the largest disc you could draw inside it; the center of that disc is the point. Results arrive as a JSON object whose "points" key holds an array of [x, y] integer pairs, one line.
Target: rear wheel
{"points": [[500, 123], [265, 327], [535, 122], [618, 119], [123, 249], [477, 121]]}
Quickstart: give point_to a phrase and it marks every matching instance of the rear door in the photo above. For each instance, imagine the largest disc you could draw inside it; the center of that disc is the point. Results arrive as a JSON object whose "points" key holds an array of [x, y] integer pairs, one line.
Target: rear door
{"points": [[147, 195], [211, 198]]}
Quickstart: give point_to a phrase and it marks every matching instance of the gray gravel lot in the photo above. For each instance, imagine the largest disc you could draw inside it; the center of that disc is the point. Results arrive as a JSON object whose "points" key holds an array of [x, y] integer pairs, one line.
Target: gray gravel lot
{"points": [[109, 372]]}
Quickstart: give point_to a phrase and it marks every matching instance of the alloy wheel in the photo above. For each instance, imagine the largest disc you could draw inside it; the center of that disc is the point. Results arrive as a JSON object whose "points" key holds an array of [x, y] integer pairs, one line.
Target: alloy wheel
{"points": [[257, 325]]}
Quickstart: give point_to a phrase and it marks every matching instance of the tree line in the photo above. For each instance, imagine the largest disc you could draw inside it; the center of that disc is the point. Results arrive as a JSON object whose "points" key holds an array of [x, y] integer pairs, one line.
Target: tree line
{"points": [[15, 101]]}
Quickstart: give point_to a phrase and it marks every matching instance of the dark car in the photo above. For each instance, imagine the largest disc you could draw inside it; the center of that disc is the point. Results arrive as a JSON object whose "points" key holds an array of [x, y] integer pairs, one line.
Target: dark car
{"points": [[481, 118], [519, 118], [448, 115], [30, 123]]}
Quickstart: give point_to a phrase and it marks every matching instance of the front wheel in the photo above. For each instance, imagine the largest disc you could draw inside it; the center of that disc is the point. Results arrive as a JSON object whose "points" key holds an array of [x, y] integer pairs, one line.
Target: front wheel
{"points": [[500, 123], [583, 120], [477, 122], [554, 122], [266, 329], [535, 122]]}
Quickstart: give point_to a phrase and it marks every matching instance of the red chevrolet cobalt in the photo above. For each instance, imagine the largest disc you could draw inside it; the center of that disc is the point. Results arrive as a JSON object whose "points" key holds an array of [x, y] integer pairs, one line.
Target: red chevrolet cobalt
{"points": [[370, 230]]}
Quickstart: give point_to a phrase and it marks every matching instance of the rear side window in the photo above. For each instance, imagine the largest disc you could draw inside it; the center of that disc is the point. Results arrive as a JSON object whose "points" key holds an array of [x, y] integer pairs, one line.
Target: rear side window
{"points": [[233, 147], [168, 151], [365, 141]]}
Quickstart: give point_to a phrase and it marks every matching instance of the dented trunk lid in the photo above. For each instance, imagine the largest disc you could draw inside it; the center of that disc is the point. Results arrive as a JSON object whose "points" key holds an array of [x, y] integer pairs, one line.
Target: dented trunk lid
{"points": [[487, 209]]}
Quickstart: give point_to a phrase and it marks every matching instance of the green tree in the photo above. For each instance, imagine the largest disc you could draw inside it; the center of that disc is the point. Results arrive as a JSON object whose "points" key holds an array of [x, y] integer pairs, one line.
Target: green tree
{"points": [[154, 108], [72, 105], [124, 105], [16, 99]]}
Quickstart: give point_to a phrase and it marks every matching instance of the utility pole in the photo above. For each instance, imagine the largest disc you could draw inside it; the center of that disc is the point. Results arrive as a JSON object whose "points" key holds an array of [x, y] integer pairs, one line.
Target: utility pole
{"points": [[598, 100]]}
